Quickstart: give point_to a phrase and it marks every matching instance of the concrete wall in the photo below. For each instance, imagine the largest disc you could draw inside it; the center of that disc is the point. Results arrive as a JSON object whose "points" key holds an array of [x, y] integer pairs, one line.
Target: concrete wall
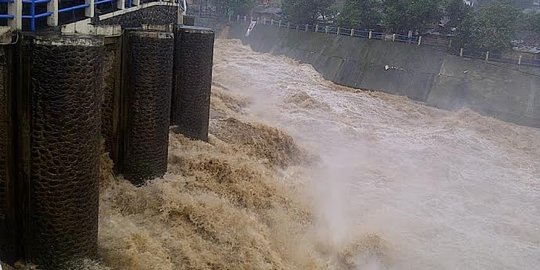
{"points": [[508, 92]]}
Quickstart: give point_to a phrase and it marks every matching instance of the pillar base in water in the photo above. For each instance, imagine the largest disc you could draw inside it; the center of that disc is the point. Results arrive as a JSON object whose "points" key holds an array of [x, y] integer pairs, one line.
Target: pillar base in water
{"points": [[59, 108], [193, 58], [146, 90]]}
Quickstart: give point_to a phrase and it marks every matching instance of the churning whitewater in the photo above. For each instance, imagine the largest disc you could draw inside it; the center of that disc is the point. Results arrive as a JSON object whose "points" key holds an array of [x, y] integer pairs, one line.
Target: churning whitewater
{"points": [[442, 190], [301, 173]]}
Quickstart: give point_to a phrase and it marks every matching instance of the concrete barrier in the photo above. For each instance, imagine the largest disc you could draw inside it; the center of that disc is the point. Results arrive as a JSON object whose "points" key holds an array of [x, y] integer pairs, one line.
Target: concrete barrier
{"points": [[59, 106], [192, 81], [508, 92], [146, 91]]}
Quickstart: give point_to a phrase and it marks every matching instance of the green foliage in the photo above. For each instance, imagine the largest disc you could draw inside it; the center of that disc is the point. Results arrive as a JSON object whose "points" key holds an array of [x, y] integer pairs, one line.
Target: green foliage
{"points": [[306, 11], [456, 11], [360, 14], [234, 7], [533, 22], [490, 28], [404, 15]]}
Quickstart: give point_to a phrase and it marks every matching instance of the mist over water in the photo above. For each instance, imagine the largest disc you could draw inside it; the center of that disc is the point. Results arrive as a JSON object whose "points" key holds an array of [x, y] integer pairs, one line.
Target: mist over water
{"points": [[397, 184]]}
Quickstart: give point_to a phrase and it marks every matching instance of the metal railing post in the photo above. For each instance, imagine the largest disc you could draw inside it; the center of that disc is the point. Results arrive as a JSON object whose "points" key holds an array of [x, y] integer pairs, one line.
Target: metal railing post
{"points": [[121, 4], [33, 15], [15, 9], [89, 11], [52, 7]]}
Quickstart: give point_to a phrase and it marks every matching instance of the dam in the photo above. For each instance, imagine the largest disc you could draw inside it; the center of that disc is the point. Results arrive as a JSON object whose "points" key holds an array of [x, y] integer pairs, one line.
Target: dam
{"points": [[284, 167]]}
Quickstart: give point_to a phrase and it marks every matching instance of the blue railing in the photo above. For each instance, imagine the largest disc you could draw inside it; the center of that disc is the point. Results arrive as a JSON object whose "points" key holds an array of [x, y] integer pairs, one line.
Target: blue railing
{"points": [[28, 13], [6, 16]]}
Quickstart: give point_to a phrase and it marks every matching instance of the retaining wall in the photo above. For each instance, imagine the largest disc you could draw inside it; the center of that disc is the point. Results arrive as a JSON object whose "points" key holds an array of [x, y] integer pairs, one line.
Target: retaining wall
{"points": [[508, 92]]}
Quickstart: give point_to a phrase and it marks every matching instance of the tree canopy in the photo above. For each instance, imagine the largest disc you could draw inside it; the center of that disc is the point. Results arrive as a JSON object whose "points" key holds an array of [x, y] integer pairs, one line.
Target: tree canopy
{"points": [[490, 28], [404, 15], [232, 7], [360, 14], [306, 11]]}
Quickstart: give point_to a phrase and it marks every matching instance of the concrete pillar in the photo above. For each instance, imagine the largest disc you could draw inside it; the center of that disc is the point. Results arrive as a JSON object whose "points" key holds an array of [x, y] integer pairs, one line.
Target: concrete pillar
{"points": [[146, 92], [15, 9], [9, 233], [59, 106], [52, 7], [121, 4], [110, 108], [192, 81], [89, 11]]}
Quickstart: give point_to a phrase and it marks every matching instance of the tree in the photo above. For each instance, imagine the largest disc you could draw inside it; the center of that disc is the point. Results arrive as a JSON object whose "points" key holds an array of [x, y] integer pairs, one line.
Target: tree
{"points": [[533, 22], [234, 7], [490, 28], [360, 14], [306, 11], [456, 11], [404, 15]]}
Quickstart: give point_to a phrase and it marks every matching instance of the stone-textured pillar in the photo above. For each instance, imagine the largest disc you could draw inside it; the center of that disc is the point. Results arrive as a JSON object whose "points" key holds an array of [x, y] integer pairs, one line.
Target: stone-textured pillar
{"points": [[193, 56], [146, 90], [59, 119], [110, 110], [9, 235]]}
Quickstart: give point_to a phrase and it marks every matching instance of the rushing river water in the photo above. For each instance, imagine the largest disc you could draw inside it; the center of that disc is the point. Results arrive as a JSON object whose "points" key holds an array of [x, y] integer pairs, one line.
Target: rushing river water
{"points": [[442, 190], [300, 173]]}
